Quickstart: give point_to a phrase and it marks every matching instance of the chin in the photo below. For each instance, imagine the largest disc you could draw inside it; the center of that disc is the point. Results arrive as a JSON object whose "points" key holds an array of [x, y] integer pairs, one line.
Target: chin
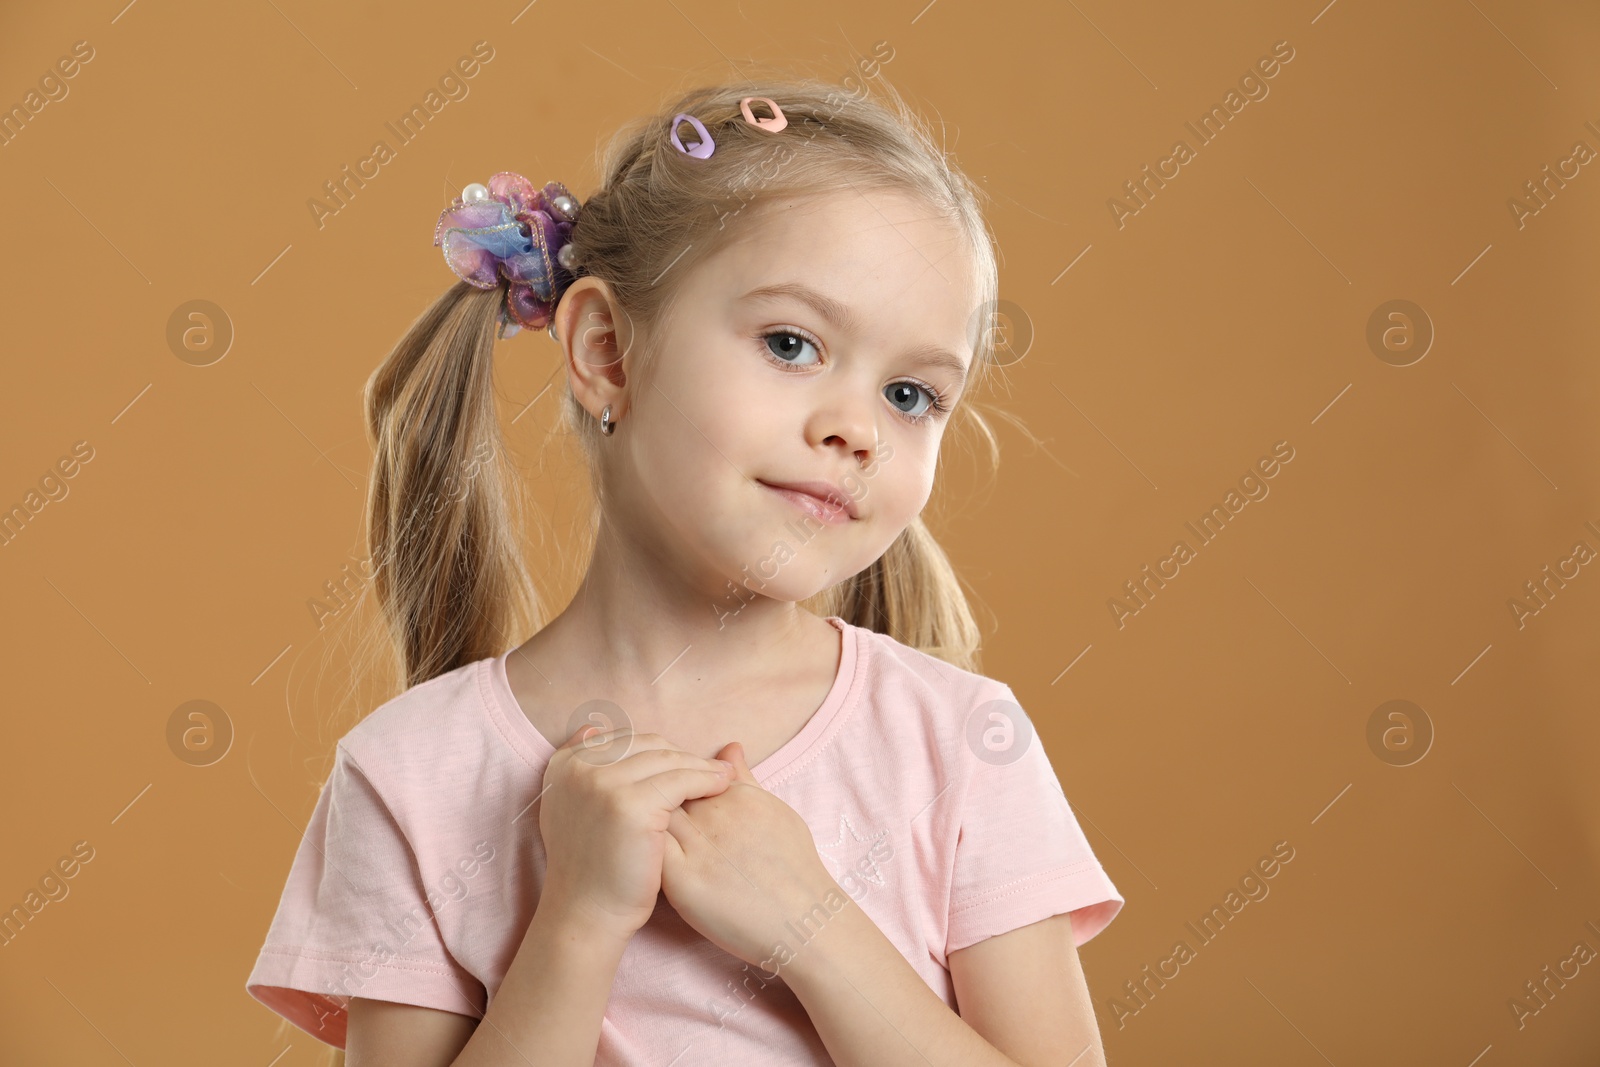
{"points": [[792, 582], [790, 588]]}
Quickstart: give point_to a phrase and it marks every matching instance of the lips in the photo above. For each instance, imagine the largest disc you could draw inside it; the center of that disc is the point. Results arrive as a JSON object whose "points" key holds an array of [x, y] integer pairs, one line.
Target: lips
{"points": [[825, 501]]}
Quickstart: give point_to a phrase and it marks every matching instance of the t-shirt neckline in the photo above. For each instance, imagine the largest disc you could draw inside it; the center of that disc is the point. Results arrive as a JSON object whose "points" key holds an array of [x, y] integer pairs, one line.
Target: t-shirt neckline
{"points": [[519, 731]]}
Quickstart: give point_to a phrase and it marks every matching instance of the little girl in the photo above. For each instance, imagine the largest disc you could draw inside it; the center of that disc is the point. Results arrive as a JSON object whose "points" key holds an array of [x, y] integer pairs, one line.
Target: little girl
{"points": [[746, 799]]}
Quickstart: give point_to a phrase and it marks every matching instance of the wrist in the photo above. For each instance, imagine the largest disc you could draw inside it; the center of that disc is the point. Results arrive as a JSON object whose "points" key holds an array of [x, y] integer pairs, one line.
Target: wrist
{"points": [[813, 939], [566, 920], [799, 909]]}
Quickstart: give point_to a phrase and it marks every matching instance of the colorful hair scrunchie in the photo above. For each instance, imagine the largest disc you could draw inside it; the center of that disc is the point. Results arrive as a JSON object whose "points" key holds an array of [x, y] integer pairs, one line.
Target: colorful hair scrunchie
{"points": [[512, 230]]}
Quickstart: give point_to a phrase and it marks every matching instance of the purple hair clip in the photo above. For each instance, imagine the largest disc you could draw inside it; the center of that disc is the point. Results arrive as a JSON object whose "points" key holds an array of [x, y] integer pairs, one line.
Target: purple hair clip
{"points": [[510, 229]]}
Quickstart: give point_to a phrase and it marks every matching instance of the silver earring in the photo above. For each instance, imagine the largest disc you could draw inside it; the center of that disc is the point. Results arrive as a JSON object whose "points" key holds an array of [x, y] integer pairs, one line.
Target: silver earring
{"points": [[607, 427]]}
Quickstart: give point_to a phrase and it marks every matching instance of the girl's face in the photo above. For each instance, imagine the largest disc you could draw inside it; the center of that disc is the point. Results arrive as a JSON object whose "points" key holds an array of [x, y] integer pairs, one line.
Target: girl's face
{"points": [[825, 344]]}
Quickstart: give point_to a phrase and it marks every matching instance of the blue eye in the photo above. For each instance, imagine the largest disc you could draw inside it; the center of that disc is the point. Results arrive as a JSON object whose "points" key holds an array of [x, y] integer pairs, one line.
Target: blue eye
{"points": [[791, 344], [901, 393], [785, 346]]}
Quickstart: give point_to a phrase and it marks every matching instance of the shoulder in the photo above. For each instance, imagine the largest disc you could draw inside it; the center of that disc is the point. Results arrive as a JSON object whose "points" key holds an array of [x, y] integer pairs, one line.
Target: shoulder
{"points": [[970, 725], [900, 673], [416, 729]]}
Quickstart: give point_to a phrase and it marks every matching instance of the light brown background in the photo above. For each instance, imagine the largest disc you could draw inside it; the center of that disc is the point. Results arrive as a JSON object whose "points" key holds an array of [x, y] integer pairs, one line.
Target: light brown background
{"points": [[1228, 315]]}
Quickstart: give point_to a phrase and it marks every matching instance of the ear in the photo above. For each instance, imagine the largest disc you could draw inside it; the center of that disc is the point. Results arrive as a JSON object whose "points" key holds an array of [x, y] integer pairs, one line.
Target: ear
{"points": [[595, 335]]}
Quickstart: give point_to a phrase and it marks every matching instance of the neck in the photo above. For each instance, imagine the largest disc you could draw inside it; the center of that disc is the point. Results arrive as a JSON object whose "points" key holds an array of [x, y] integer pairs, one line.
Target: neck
{"points": [[643, 631]]}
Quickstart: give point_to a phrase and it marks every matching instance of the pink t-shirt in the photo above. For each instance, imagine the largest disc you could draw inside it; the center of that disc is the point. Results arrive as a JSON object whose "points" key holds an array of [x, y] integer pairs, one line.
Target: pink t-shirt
{"points": [[931, 800]]}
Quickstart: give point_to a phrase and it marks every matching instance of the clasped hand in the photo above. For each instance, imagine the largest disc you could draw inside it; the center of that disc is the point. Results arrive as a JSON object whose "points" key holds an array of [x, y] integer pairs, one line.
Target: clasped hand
{"points": [[740, 865]]}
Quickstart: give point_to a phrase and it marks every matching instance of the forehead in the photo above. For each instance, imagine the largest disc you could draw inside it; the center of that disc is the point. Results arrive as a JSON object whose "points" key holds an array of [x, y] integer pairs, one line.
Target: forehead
{"points": [[899, 266]]}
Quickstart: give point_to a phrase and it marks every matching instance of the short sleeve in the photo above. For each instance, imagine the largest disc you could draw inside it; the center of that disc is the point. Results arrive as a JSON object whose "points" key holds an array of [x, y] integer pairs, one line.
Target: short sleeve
{"points": [[1020, 854], [354, 919]]}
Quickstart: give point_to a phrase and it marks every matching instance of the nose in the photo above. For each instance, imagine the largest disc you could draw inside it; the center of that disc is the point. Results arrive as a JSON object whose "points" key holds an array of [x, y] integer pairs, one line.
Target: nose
{"points": [[846, 421]]}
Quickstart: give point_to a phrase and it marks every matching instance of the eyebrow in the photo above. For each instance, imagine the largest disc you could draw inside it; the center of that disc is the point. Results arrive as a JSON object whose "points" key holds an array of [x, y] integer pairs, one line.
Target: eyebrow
{"points": [[840, 317]]}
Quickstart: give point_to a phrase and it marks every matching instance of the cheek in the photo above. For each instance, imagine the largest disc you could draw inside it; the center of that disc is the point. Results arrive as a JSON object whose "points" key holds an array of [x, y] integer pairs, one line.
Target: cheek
{"points": [[697, 440], [716, 393], [903, 482], [675, 460]]}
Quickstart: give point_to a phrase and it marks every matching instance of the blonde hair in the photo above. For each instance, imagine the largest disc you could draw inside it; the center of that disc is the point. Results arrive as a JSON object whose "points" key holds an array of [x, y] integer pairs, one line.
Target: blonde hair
{"points": [[445, 509]]}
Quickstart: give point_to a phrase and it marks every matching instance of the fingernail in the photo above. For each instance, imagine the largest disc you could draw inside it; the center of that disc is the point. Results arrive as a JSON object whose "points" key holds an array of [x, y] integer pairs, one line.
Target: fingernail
{"points": [[727, 768]]}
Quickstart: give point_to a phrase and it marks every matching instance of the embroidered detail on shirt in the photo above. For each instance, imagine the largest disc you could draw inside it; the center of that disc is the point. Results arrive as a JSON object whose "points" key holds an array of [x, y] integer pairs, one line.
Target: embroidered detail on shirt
{"points": [[858, 857]]}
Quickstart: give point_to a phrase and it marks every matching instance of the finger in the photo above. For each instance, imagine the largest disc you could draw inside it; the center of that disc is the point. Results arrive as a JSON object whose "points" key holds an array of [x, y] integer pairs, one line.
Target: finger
{"points": [[596, 746], [606, 734], [674, 866], [668, 790], [583, 733], [685, 832], [603, 746], [681, 829], [641, 765], [734, 753]]}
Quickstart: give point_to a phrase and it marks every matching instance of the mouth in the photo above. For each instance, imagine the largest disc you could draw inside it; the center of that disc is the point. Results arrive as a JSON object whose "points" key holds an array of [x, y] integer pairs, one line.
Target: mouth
{"points": [[821, 501]]}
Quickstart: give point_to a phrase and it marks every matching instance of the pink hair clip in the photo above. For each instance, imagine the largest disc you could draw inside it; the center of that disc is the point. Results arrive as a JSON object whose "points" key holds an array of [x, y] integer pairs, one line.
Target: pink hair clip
{"points": [[771, 125], [512, 230]]}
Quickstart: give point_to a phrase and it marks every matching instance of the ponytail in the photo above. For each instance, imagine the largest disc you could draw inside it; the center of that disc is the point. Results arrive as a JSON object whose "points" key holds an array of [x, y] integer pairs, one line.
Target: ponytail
{"points": [[444, 508]]}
